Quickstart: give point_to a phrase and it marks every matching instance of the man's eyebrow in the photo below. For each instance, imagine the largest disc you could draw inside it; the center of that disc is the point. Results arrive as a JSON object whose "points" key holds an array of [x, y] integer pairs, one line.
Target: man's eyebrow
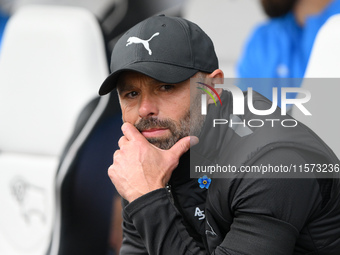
{"points": [[123, 86]]}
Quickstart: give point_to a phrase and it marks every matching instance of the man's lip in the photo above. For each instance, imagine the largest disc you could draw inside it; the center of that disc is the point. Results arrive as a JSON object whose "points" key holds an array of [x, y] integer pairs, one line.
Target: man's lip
{"points": [[154, 132]]}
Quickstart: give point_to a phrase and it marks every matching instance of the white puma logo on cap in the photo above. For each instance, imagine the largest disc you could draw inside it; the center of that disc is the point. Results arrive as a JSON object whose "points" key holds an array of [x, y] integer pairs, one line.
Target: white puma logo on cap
{"points": [[136, 40]]}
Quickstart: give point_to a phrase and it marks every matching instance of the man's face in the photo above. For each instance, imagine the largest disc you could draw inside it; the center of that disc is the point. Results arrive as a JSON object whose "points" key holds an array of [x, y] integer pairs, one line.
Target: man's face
{"points": [[160, 111]]}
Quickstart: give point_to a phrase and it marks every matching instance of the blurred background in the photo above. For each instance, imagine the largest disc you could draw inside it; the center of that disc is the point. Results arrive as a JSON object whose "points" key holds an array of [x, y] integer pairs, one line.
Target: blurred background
{"points": [[227, 22]]}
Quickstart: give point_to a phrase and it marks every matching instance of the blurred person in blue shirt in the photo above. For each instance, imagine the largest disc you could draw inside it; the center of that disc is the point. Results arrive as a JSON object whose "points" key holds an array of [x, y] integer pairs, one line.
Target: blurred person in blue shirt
{"points": [[280, 47], [3, 20]]}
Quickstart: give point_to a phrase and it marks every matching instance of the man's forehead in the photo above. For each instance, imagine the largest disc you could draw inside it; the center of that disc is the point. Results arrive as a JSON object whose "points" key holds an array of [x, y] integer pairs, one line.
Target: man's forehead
{"points": [[130, 78]]}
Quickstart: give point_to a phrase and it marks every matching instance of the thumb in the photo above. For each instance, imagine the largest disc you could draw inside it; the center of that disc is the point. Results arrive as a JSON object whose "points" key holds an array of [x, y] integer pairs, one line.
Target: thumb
{"points": [[183, 145]]}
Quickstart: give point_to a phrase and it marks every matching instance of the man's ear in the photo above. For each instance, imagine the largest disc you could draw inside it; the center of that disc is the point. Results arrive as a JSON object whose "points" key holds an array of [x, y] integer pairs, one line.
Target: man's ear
{"points": [[217, 78]]}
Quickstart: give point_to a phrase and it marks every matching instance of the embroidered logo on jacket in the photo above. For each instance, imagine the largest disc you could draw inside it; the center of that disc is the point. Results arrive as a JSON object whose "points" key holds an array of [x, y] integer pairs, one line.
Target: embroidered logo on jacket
{"points": [[199, 213], [210, 232]]}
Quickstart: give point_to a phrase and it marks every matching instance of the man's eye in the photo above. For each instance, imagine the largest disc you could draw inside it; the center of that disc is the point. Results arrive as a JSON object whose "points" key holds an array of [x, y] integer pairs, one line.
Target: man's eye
{"points": [[167, 87], [131, 94]]}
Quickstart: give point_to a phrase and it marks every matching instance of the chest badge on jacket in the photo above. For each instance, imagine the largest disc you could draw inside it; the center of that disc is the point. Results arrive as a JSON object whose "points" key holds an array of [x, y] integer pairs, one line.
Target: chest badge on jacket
{"points": [[204, 182]]}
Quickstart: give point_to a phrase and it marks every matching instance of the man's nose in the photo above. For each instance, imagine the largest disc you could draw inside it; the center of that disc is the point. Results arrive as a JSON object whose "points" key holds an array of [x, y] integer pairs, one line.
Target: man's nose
{"points": [[148, 106]]}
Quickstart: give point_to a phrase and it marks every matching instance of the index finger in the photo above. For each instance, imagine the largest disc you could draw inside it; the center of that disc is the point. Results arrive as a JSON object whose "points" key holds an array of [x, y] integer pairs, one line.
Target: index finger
{"points": [[131, 132]]}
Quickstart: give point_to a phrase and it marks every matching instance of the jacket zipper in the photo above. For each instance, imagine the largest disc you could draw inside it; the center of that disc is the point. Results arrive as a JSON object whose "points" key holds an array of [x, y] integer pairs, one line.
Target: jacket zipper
{"points": [[168, 188]]}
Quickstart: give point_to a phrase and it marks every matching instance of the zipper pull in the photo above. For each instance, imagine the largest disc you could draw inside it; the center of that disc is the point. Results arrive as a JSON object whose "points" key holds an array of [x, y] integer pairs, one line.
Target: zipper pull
{"points": [[168, 188]]}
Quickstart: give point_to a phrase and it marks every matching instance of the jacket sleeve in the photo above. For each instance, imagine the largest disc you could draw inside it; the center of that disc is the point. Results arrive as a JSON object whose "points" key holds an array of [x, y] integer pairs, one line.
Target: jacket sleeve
{"points": [[159, 225], [132, 242]]}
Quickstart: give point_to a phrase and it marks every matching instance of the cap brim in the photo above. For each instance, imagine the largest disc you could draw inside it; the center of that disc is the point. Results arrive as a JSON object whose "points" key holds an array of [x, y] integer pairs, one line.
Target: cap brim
{"points": [[159, 71]]}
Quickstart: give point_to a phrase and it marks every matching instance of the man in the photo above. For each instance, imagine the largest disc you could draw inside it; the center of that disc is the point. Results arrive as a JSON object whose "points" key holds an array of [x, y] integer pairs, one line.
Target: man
{"points": [[285, 41], [166, 211]]}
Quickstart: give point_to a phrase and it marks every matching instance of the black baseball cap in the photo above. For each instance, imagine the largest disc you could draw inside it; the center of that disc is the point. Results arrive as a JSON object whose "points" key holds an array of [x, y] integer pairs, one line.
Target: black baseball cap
{"points": [[168, 49]]}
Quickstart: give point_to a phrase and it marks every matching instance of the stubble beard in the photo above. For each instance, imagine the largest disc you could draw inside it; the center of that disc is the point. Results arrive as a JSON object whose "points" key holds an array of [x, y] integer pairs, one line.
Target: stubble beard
{"points": [[189, 125]]}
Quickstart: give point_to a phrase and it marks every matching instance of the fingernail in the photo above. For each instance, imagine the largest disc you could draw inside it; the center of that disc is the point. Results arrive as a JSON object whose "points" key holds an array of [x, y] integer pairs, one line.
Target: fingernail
{"points": [[124, 127], [193, 140]]}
